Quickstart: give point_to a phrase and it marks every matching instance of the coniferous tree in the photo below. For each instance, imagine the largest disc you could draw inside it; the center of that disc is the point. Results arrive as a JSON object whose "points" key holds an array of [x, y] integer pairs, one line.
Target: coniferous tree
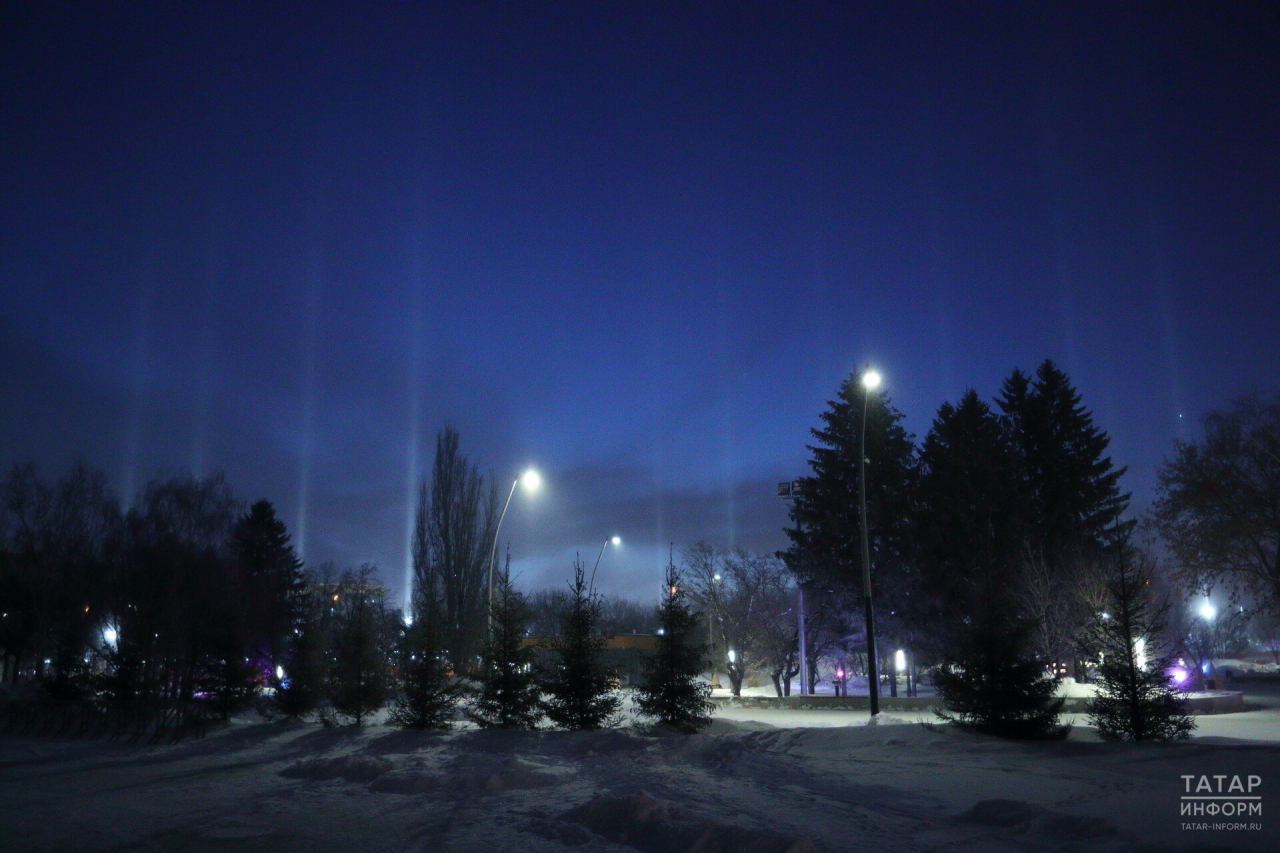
{"points": [[825, 543], [582, 692], [429, 692], [965, 526], [1135, 700], [672, 694], [360, 681], [509, 696], [1070, 492], [273, 582], [991, 683]]}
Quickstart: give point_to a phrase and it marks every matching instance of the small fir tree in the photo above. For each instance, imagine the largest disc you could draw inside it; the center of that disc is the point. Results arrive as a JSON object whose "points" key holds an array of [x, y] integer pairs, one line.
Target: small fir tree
{"points": [[1135, 700], [509, 695], [672, 694], [991, 683], [359, 683], [581, 689], [429, 693]]}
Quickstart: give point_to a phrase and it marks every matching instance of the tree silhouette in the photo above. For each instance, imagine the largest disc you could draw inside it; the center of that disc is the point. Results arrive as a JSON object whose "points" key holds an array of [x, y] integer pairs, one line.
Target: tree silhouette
{"points": [[582, 691]]}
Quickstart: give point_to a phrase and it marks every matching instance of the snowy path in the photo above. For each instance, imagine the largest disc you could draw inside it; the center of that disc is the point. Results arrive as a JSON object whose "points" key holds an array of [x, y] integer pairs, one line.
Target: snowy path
{"points": [[261, 787]]}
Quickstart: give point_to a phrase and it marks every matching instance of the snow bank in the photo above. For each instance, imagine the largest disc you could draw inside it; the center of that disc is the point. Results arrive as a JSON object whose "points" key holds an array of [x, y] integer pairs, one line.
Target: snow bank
{"points": [[653, 825]]}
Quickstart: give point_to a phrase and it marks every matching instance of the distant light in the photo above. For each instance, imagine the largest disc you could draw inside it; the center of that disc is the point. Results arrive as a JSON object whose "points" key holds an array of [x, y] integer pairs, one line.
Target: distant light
{"points": [[840, 674], [1204, 667], [1178, 675], [408, 620], [1208, 611], [531, 480], [280, 672], [900, 660], [733, 656], [717, 577], [617, 540], [335, 596], [1140, 652], [1106, 615], [871, 380], [110, 636], [661, 631]]}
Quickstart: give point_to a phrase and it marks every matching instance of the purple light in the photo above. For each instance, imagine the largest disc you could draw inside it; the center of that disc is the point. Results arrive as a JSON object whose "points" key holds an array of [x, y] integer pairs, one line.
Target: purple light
{"points": [[1178, 675], [839, 673]]}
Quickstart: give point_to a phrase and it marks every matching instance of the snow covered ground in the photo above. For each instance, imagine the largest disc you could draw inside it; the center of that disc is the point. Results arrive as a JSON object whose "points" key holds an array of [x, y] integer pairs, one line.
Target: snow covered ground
{"points": [[759, 780]]}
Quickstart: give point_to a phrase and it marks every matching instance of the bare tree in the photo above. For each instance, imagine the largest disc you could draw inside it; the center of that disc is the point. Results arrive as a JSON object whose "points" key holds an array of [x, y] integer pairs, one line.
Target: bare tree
{"points": [[1218, 504], [452, 537]]}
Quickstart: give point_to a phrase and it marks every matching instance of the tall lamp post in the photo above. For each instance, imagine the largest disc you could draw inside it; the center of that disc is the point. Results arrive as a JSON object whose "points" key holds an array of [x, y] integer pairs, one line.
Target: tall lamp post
{"points": [[531, 482], [616, 540], [870, 381]]}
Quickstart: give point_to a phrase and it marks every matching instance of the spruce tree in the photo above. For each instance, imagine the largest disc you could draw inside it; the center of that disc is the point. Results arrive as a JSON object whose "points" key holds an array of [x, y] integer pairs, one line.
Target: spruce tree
{"points": [[429, 693], [990, 682], [965, 523], [273, 581], [582, 692], [1135, 700], [1070, 492], [509, 695], [360, 681], [672, 694], [825, 537]]}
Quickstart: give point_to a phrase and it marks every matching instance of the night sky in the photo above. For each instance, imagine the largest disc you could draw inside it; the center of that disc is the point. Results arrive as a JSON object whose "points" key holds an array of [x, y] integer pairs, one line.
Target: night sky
{"points": [[635, 245]]}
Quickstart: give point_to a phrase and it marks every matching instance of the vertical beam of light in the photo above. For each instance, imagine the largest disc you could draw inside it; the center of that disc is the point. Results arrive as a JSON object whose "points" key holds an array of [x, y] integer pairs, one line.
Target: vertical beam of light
{"points": [[415, 405], [214, 264], [139, 375], [1168, 327], [308, 414]]}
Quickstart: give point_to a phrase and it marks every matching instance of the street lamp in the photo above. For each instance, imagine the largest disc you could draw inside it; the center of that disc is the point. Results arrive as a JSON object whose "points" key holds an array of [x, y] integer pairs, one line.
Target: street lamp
{"points": [[616, 540], [870, 381], [1208, 611], [532, 482]]}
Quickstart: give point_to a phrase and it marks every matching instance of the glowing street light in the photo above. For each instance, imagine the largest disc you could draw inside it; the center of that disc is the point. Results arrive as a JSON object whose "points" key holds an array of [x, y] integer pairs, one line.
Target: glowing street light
{"points": [[615, 540], [870, 381], [1208, 611], [532, 482]]}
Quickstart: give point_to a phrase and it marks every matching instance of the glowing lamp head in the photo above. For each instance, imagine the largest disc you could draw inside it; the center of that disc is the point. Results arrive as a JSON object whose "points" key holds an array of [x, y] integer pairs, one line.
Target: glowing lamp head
{"points": [[280, 672], [900, 660], [1208, 611], [617, 540], [733, 656], [531, 480], [840, 674], [871, 380], [1178, 675], [110, 635]]}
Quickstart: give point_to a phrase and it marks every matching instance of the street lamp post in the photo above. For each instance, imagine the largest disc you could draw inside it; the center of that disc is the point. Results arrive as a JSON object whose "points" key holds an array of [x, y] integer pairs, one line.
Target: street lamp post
{"points": [[531, 482], [870, 381], [616, 540]]}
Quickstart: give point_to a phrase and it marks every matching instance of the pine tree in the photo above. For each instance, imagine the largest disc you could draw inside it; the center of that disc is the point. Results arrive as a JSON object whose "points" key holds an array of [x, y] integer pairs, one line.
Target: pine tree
{"points": [[582, 692], [273, 581], [965, 524], [1135, 700], [360, 681], [825, 540], [1070, 491], [672, 694], [991, 684], [429, 693], [509, 696]]}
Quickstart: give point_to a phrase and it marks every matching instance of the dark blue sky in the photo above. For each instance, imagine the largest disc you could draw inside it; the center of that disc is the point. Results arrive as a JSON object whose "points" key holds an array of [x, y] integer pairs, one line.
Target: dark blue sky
{"points": [[637, 245]]}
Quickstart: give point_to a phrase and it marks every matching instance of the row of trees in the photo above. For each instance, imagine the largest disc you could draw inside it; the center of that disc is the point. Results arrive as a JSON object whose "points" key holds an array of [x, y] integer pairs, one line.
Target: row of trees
{"points": [[185, 592]]}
